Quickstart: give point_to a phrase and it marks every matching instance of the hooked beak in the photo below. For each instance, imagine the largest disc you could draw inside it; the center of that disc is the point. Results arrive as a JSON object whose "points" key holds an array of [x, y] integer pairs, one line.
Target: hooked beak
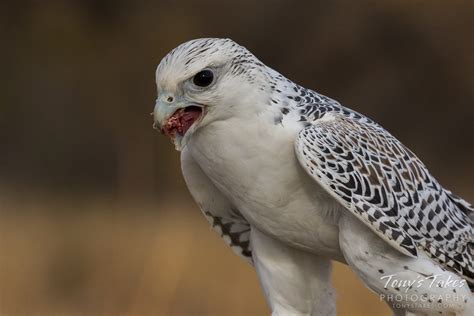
{"points": [[161, 113], [177, 119]]}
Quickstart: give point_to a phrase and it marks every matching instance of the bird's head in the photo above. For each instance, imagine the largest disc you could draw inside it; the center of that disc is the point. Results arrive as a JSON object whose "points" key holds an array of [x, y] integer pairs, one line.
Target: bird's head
{"points": [[203, 81]]}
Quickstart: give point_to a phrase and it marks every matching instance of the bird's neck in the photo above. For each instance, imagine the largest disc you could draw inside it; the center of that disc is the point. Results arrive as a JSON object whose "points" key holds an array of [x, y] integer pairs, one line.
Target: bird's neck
{"points": [[290, 103]]}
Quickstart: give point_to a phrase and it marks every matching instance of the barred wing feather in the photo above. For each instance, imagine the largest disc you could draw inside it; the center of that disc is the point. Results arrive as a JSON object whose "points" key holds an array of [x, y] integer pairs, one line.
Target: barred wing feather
{"points": [[388, 188]]}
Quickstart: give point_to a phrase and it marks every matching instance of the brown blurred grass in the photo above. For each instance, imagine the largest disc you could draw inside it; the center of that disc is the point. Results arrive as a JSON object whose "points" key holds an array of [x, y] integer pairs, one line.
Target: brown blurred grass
{"points": [[92, 256]]}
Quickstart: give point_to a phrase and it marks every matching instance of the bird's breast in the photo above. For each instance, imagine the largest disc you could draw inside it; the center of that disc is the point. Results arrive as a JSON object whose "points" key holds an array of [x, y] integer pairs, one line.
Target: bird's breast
{"points": [[257, 170]]}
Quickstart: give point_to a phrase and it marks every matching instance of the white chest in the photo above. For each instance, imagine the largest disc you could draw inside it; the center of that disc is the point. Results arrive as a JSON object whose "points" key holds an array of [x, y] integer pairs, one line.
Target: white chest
{"points": [[255, 167]]}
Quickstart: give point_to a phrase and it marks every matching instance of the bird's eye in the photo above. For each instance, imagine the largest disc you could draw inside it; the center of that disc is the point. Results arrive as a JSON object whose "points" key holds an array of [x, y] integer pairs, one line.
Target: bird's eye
{"points": [[203, 78]]}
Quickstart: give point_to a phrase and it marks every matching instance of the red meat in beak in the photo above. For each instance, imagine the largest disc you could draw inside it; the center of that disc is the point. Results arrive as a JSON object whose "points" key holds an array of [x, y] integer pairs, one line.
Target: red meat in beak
{"points": [[181, 120]]}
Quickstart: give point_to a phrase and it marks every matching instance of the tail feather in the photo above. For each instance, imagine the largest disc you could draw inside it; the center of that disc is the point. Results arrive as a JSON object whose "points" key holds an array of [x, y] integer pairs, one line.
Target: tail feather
{"points": [[463, 205]]}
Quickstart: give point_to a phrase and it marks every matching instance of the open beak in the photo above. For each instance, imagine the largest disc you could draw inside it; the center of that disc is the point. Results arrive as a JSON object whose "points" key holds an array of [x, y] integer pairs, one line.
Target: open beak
{"points": [[176, 119]]}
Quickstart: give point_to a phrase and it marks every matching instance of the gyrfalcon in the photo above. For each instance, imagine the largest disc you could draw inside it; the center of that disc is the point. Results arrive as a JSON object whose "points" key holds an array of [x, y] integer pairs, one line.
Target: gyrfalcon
{"points": [[291, 180]]}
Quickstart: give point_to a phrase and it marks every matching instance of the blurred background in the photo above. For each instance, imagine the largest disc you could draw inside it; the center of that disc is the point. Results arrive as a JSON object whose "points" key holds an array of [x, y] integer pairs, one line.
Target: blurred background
{"points": [[95, 218]]}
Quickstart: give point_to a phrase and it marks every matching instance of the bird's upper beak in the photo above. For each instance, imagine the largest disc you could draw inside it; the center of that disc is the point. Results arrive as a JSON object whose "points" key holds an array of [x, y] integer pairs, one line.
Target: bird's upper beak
{"points": [[166, 105], [162, 112]]}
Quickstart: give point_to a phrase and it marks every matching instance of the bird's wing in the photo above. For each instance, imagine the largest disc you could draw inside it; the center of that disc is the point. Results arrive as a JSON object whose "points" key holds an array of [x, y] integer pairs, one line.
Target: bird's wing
{"points": [[223, 217], [388, 188]]}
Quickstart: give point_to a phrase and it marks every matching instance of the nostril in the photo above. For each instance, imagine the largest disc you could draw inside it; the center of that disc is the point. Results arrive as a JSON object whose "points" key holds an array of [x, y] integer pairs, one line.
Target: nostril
{"points": [[170, 99]]}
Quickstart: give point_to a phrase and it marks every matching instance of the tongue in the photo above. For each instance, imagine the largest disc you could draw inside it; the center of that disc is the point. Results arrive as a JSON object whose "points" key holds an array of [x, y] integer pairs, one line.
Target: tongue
{"points": [[188, 117]]}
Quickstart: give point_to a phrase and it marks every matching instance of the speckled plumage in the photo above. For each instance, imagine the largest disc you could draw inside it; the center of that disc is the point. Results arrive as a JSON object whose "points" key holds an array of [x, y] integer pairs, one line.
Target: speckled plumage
{"points": [[380, 181], [356, 168]]}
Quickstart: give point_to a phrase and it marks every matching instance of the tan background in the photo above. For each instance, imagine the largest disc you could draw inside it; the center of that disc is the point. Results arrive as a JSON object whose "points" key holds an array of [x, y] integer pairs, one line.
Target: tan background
{"points": [[94, 216]]}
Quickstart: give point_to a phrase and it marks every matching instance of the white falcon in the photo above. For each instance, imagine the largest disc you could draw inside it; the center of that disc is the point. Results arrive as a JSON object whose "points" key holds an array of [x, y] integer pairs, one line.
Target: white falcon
{"points": [[291, 179]]}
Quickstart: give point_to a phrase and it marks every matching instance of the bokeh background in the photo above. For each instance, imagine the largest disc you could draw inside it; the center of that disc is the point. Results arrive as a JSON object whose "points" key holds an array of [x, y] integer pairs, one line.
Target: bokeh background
{"points": [[94, 216]]}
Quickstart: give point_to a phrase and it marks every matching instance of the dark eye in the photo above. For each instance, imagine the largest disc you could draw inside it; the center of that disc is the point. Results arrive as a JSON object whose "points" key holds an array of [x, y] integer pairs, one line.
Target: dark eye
{"points": [[203, 78]]}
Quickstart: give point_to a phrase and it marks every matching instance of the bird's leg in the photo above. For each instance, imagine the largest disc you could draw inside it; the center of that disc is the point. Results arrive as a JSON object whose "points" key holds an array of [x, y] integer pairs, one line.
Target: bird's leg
{"points": [[295, 282]]}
